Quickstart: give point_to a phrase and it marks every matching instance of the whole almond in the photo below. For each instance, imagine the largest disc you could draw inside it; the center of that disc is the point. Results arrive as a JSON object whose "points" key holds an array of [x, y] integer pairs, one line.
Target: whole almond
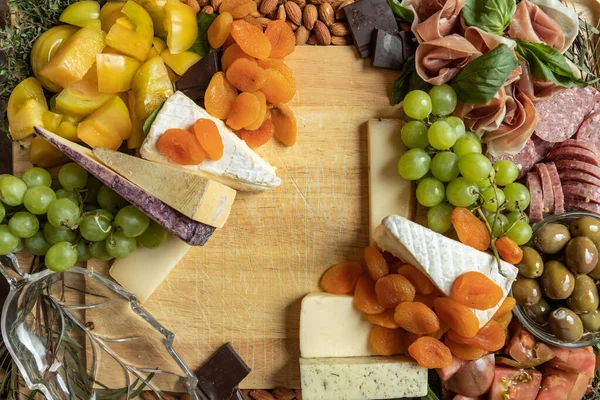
{"points": [[292, 25], [261, 395], [312, 39], [302, 35], [339, 13], [273, 14], [339, 29], [245, 394], [281, 13], [322, 34], [319, 2], [256, 14], [203, 3], [252, 21], [266, 6], [215, 4], [310, 16], [341, 40], [208, 10], [281, 393], [263, 21], [294, 13], [194, 4], [301, 3], [326, 14]]}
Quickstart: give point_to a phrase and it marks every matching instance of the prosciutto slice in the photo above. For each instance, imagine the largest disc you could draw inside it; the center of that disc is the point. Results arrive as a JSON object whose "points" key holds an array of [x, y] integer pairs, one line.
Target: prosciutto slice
{"points": [[564, 15], [437, 18], [440, 60], [533, 88], [517, 126], [531, 23], [479, 118]]}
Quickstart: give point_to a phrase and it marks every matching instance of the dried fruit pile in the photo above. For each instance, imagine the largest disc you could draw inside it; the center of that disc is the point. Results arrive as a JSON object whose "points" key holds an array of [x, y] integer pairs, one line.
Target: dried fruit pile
{"points": [[411, 316], [252, 64]]}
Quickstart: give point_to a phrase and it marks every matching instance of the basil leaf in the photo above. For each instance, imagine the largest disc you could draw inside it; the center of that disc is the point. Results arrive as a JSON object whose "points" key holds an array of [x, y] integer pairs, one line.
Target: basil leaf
{"points": [[201, 46], [492, 16], [481, 79], [548, 64], [150, 120], [402, 13], [408, 81]]}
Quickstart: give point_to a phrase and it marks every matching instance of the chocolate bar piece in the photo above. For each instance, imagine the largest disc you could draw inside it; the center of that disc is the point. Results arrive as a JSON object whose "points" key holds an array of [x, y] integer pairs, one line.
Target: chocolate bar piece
{"points": [[364, 17], [220, 376], [196, 79], [391, 50], [409, 44]]}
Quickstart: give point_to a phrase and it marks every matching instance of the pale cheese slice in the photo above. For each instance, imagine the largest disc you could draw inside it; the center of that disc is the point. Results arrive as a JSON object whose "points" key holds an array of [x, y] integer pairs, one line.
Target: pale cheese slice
{"points": [[240, 167], [442, 258]]}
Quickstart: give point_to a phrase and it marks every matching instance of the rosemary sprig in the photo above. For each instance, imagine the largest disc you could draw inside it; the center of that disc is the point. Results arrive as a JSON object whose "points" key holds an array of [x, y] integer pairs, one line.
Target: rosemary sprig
{"points": [[583, 53]]}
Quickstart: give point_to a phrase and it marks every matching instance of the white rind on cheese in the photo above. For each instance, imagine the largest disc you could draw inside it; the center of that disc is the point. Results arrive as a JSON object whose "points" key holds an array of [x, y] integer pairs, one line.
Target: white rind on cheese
{"points": [[361, 378], [330, 326], [240, 167], [442, 258]]}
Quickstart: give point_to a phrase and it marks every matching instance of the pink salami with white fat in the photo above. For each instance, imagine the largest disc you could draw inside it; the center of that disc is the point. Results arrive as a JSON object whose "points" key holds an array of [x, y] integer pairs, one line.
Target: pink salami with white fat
{"points": [[559, 198], [574, 153], [524, 160], [577, 165], [589, 130], [578, 176], [573, 204], [542, 148], [578, 144], [547, 190], [582, 191], [536, 206]]}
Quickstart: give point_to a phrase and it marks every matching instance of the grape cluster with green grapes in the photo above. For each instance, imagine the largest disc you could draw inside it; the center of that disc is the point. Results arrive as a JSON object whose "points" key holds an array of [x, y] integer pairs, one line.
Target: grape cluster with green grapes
{"points": [[447, 163], [75, 218]]}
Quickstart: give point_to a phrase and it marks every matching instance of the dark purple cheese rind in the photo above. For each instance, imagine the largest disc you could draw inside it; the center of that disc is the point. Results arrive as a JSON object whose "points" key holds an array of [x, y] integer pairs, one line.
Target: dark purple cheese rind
{"points": [[388, 50], [363, 17], [192, 232]]}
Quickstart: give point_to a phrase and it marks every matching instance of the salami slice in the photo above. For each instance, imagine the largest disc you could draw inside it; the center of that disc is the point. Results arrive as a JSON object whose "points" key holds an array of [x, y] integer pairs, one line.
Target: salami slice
{"points": [[547, 191], [590, 129], [559, 198], [559, 117], [574, 204], [579, 144], [542, 148], [583, 191], [574, 153], [578, 166], [536, 206], [578, 176], [524, 160]]}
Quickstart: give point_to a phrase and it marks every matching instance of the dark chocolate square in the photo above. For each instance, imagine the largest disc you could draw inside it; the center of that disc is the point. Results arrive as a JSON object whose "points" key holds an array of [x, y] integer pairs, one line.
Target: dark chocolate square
{"points": [[196, 79], [409, 44], [363, 17], [388, 50], [220, 376]]}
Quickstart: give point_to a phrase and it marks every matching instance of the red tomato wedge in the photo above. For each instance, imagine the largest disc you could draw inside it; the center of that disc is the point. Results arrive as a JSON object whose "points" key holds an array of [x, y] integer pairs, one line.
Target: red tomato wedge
{"points": [[562, 385], [510, 383], [181, 147], [446, 373], [582, 360], [525, 349], [210, 139]]}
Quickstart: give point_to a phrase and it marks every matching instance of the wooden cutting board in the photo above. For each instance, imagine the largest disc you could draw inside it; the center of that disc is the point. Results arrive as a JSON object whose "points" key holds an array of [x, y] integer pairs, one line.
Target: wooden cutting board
{"points": [[246, 284]]}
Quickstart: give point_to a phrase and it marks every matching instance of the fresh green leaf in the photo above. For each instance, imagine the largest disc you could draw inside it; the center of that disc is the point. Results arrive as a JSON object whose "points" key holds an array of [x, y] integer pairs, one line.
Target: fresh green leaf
{"points": [[401, 13], [430, 395], [548, 64], [150, 120], [492, 16], [407, 81], [201, 46], [481, 79]]}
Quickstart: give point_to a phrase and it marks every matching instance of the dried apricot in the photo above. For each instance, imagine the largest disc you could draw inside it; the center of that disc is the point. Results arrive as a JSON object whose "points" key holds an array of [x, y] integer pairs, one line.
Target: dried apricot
{"points": [[409, 338], [504, 319], [394, 289], [252, 21], [457, 316], [429, 352], [507, 306], [509, 250], [491, 337], [244, 9], [181, 147], [419, 280], [365, 298], [463, 351], [427, 299], [218, 31], [228, 5], [475, 290], [385, 341], [280, 66], [219, 96], [440, 332], [277, 88], [246, 75], [261, 114], [285, 124], [416, 318], [282, 38], [243, 111], [251, 39], [258, 137], [471, 230], [385, 319], [231, 54], [341, 278], [210, 139], [376, 265]]}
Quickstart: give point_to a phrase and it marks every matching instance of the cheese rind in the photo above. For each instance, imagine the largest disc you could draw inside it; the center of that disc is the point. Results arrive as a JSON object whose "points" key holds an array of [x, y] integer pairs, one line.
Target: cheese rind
{"points": [[361, 378], [330, 326], [441, 258], [240, 167]]}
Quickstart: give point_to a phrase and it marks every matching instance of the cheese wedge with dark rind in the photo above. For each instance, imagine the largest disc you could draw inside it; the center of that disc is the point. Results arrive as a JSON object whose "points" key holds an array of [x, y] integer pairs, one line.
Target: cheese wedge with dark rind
{"points": [[192, 232]]}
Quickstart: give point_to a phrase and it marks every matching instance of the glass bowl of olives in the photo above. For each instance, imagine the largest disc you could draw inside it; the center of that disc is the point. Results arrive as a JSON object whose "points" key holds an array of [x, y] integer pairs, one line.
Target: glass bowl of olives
{"points": [[557, 286]]}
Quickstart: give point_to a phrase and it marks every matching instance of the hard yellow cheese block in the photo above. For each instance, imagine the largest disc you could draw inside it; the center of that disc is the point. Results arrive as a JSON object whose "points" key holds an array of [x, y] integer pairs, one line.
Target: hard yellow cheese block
{"points": [[195, 196], [388, 193]]}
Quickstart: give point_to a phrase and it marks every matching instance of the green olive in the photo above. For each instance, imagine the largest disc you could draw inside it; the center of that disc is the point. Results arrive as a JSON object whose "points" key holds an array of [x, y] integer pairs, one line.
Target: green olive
{"points": [[591, 321], [581, 255], [551, 238], [585, 295], [526, 291], [557, 281], [588, 227], [565, 324], [595, 273], [532, 265], [539, 312]]}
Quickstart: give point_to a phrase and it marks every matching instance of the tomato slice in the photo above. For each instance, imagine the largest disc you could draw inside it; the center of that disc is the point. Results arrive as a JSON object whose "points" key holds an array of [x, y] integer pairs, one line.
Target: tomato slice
{"points": [[560, 385], [510, 383], [446, 373], [524, 348], [582, 360]]}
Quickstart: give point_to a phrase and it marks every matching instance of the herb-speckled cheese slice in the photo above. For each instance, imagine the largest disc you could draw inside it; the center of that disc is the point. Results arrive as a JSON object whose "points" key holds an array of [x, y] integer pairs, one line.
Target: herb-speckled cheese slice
{"points": [[361, 378], [442, 258], [240, 167]]}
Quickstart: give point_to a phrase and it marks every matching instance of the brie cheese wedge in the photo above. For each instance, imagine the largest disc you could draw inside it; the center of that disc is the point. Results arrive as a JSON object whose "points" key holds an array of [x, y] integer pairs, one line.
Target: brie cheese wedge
{"points": [[442, 259], [240, 167]]}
